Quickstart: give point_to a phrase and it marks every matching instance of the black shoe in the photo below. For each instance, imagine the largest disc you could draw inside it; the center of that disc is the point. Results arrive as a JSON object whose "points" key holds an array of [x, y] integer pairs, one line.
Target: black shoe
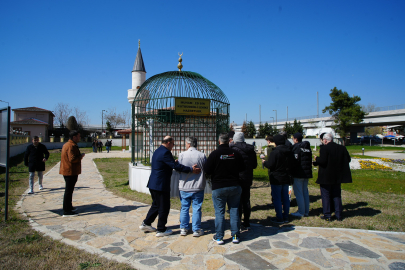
{"points": [[326, 218], [339, 219], [277, 221], [69, 214]]}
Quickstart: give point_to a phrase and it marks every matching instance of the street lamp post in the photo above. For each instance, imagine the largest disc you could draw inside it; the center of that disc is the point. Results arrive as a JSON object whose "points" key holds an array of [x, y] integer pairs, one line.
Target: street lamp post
{"points": [[273, 119], [102, 121]]}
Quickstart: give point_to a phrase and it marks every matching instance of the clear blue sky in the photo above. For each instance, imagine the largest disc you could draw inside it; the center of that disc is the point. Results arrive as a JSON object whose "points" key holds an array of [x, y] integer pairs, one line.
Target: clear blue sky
{"points": [[272, 53]]}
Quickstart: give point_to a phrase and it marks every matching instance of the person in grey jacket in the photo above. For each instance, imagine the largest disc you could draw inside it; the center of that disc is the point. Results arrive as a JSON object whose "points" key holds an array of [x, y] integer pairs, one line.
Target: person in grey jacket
{"points": [[191, 188]]}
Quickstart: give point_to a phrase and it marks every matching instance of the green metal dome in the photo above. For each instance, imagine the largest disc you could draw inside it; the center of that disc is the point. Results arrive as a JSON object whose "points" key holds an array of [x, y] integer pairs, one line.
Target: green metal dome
{"points": [[172, 84]]}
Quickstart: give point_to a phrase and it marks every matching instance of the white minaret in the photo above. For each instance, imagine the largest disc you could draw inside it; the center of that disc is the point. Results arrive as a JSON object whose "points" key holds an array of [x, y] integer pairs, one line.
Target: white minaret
{"points": [[138, 75]]}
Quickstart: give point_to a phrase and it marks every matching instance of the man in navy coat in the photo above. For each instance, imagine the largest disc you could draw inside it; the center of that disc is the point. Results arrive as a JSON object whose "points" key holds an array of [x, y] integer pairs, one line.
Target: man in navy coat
{"points": [[163, 164]]}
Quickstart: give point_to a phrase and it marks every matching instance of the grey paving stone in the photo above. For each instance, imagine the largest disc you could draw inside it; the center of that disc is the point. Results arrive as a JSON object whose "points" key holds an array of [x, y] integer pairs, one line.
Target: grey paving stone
{"points": [[392, 237], [315, 256], [397, 266], [118, 244], [163, 265], [355, 250], [163, 245], [138, 256], [284, 245], [114, 250], [128, 254], [170, 258], [56, 228], [249, 260], [277, 237], [150, 262], [103, 230], [315, 242], [260, 245]]}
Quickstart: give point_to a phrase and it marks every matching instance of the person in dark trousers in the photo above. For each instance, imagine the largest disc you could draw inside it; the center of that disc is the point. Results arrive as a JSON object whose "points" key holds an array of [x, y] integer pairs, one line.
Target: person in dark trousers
{"points": [[108, 145], [334, 169], [95, 145], [34, 158], [163, 165], [248, 154], [70, 168], [281, 162], [303, 155], [270, 147], [100, 146], [224, 165]]}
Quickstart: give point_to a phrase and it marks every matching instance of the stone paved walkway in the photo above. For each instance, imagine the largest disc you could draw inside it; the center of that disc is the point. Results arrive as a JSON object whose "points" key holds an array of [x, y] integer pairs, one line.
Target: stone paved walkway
{"points": [[108, 225]]}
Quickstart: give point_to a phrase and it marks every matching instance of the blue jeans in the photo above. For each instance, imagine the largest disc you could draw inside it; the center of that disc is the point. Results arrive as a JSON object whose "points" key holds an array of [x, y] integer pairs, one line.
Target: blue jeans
{"points": [[221, 197], [301, 195], [31, 179], [108, 149], [281, 201], [197, 198]]}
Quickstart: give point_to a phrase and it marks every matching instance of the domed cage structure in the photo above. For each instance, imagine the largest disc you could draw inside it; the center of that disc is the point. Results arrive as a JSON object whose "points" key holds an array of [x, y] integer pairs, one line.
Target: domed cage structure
{"points": [[179, 104]]}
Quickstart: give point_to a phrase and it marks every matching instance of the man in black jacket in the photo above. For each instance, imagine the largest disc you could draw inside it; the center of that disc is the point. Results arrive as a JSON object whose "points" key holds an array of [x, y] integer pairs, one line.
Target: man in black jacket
{"points": [[334, 169], [34, 158], [224, 165], [303, 170], [281, 163], [248, 154]]}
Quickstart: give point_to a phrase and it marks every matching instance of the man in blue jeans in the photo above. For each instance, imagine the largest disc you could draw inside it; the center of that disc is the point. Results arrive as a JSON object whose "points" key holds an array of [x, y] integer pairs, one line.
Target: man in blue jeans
{"points": [[224, 166], [191, 188], [280, 164]]}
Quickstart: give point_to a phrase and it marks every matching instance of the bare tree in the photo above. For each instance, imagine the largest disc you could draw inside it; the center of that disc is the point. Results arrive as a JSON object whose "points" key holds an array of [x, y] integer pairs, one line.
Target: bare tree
{"points": [[81, 116], [62, 113], [114, 118], [369, 108], [126, 115]]}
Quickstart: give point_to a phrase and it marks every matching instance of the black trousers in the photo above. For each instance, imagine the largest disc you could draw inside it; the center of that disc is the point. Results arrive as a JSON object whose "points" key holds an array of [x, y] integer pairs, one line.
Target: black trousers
{"points": [[70, 182], [331, 196], [244, 206], [160, 206]]}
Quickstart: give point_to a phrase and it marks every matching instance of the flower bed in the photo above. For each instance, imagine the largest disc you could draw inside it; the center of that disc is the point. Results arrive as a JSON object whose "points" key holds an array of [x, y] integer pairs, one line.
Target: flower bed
{"points": [[399, 161], [371, 165]]}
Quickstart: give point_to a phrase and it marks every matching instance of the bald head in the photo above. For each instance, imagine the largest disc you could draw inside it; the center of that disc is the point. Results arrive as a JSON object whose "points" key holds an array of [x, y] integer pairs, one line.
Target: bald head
{"points": [[168, 142]]}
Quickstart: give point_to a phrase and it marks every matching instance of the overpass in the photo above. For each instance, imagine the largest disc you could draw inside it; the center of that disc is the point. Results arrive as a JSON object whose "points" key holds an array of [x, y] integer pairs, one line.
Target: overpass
{"points": [[384, 116]]}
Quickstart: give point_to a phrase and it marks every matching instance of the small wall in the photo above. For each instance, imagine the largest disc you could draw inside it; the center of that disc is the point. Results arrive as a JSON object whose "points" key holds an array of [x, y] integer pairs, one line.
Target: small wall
{"points": [[139, 177], [115, 142]]}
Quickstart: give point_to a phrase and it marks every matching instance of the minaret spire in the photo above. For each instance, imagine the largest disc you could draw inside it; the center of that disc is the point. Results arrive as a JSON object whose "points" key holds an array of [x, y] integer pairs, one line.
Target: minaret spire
{"points": [[139, 65]]}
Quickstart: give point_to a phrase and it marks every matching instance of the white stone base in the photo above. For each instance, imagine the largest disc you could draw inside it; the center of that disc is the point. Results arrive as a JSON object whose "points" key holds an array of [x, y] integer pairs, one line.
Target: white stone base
{"points": [[139, 177]]}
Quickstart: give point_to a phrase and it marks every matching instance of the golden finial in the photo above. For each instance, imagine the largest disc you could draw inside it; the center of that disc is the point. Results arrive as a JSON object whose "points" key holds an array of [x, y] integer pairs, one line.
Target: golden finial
{"points": [[139, 43], [180, 66]]}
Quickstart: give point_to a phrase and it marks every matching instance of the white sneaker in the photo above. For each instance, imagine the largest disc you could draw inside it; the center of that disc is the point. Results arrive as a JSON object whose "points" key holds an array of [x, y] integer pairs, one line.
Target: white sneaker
{"points": [[147, 228], [41, 187], [161, 234], [31, 192], [296, 214], [183, 232], [198, 233]]}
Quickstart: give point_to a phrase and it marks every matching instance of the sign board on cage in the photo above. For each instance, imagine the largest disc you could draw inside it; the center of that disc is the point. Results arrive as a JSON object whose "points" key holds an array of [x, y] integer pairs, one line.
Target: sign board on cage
{"points": [[192, 106]]}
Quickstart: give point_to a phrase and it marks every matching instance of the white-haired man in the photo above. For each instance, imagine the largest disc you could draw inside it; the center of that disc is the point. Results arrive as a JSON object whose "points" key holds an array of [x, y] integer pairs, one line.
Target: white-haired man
{"points": [[191, 188], [334, 170]]}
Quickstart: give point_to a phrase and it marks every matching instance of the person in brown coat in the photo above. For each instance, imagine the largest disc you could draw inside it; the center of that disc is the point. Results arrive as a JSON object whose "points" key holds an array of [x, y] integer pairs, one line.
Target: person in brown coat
{"points": [[70, 168]]}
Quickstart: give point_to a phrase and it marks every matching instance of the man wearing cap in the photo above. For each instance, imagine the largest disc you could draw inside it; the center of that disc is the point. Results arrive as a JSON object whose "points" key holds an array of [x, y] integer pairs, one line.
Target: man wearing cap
{"points": [[334, 169], [303, 155], [248, 154], [281, 162]]}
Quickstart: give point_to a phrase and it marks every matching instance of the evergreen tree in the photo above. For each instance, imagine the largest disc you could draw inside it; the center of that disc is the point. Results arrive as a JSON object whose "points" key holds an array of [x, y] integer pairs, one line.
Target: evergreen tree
{"points": [[109, 127], [261, 133], [288, 128], [251, 130], [72, 123], [297, 127], [345, 110]]}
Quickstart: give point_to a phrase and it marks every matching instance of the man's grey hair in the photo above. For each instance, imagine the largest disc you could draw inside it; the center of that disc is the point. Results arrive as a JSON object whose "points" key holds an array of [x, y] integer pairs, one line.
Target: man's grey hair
{"points": [[328, 137], [283, 133], [192, 141], [224, 138]]}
